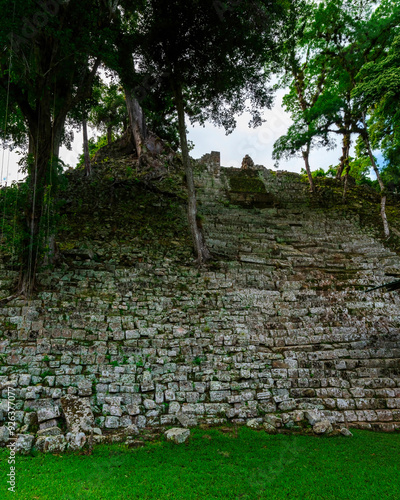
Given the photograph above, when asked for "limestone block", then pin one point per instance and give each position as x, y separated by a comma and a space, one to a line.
313, 416
51, 444
323, 427
50, 431
254, 423
4, 435
48, 412
270, 429
85, 388
112, 422
174, 407
186, 420
141, 421
76, 441
24, 443
149, 404
177, 435
273, 420
77, 413
133, 409
288, 405
48, 424
24, 380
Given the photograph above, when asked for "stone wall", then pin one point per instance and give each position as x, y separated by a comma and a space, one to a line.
279, 324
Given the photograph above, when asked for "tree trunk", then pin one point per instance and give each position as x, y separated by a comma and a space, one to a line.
50, 247
345, 163
137, 122
30, 145
88, 167
201, 251
38, 180
367, 143
145, 141
39, 241
306, 155
109, 135
345, 155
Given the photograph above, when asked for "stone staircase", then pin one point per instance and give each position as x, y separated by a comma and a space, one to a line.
304, 273
277, 326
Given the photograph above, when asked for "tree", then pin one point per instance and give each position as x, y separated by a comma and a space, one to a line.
348, 34
378, 91
207, 60
109, 113
341, 38
88, 168
54, 47
306, 79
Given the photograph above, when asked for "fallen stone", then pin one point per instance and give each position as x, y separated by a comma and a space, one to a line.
24, 443
177, 435
253, 423
76, 441
313, 416
270, 429
345, 432
323, 427
51, 444
78, 414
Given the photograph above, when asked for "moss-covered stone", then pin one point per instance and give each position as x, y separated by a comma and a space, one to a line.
245, 184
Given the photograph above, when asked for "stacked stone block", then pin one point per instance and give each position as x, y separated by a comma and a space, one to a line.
279, 326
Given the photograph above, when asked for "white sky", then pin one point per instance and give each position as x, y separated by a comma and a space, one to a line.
258, 143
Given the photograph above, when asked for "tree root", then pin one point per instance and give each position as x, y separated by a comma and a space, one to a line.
6, 300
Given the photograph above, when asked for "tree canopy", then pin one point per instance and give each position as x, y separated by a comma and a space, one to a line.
200, 60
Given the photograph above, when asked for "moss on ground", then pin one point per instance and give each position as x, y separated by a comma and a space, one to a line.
115, 206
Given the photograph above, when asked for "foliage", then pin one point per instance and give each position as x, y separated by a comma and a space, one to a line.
323, 56
109, 112
215, 82
94, 146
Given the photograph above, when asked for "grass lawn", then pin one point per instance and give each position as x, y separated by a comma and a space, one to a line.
214, 465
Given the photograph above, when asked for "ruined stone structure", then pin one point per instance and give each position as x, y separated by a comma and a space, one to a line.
279, 326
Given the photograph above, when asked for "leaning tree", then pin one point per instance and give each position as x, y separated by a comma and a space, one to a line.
209, 59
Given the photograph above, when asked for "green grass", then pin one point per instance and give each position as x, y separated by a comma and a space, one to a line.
213, 465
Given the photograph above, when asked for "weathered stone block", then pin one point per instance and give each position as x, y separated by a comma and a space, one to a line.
177, 435
78, 413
